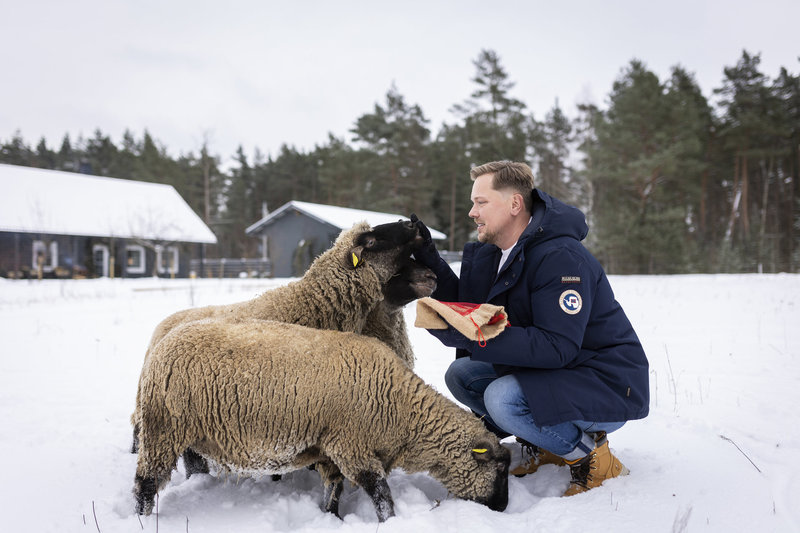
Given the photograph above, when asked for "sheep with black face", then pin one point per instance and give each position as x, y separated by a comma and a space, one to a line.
267, 397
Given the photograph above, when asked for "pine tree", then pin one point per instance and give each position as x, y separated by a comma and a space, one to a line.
753, 133
16, 151
398, 134
641, 163
495, 122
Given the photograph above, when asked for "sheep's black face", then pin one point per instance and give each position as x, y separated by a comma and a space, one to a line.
386, 247
480, 475
395, 235
411, 282
493, 462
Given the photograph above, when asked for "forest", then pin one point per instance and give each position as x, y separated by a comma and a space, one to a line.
671, 181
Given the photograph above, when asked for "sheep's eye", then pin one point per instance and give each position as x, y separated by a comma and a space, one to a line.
370, 243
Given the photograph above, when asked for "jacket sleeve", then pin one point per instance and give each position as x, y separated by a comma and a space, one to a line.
446, 282
560, 312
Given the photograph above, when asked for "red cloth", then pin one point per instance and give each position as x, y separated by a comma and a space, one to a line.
477, 322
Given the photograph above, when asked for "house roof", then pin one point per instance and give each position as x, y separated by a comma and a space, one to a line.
64, 203
339, 217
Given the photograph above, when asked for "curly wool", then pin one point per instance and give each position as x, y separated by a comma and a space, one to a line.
387, 323
269, 397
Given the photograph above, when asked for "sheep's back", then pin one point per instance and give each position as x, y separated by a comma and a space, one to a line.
277, 389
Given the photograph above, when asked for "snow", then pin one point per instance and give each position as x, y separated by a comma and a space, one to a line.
65, 203
717, 453
340, 217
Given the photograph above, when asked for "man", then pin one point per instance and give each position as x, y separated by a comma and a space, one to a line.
569, 369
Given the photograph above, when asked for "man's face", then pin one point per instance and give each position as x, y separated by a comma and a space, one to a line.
491, 210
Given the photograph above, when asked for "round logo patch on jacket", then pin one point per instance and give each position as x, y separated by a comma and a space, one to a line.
570, 302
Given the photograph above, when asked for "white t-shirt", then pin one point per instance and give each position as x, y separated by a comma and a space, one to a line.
505, 253
504, 257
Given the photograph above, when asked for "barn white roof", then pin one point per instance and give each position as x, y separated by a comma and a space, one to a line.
64, 203
340, 217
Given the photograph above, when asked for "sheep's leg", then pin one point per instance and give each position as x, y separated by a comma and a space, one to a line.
135, 440
333, 492
151, 476
378, 489
153, 467
144, 492
145, 487
333, 480
194, 463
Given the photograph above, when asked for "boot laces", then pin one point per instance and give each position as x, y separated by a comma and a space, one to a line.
530, 450
581, 471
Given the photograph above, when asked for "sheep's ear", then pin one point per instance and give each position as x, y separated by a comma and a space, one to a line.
354, 259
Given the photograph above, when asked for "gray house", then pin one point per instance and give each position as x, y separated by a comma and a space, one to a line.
297, 232
62, 224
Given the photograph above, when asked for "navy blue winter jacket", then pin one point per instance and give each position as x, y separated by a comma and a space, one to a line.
569, 343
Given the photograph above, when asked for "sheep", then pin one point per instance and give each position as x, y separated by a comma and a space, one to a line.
341, 290
260, 397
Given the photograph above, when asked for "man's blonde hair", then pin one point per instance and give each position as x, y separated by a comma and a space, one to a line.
508, 175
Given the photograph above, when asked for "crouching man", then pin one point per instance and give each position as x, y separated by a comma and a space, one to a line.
569, 369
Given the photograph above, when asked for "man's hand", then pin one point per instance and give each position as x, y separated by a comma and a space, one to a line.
425, 253
453, 338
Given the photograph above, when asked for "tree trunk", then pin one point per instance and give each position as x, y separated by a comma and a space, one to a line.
453, 212
737, 196
764, 203
745, 200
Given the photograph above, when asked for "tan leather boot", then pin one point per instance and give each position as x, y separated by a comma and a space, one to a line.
538, 457
592, 470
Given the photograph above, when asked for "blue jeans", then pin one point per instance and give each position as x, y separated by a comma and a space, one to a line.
501, 402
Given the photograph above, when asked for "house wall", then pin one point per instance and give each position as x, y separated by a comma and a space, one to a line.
294, 241
79, 256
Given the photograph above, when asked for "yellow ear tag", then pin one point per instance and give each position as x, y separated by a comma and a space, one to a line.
479, 450
355, 260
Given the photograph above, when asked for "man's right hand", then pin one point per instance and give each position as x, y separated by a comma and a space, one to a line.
425, 253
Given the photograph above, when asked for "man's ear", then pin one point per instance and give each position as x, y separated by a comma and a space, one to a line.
517, 203
354, 259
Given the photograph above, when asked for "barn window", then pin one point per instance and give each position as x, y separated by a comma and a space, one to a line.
45, 255
134, 259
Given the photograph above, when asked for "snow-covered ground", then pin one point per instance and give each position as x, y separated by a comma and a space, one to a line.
719, 452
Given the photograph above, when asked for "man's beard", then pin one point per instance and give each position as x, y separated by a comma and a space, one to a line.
487, 237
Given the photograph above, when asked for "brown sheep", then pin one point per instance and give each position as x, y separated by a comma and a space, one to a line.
268, 397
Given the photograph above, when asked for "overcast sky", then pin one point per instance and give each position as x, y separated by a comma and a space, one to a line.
259, 73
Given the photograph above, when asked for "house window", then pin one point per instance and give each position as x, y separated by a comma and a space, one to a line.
134, 259
100, 259
167, 259
45, 256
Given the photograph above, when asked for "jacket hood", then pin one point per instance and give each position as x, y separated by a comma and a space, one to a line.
552, 219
